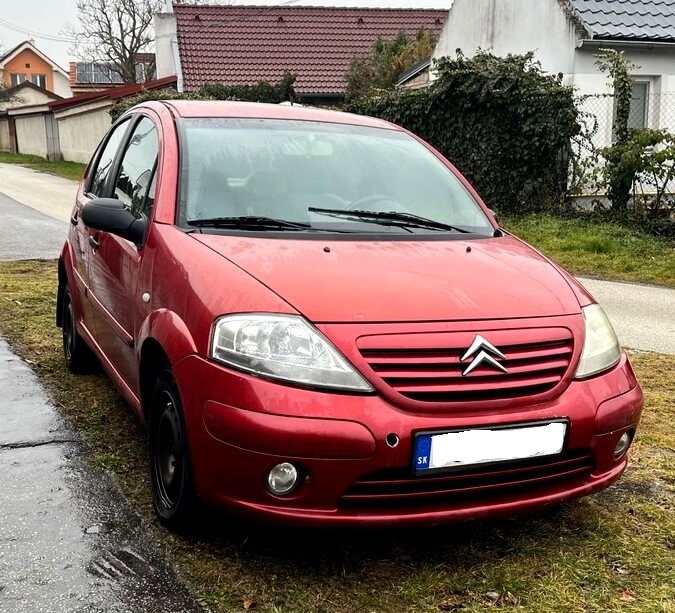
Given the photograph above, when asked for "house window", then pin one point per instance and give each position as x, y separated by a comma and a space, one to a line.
17, 78
40, 80
639, 106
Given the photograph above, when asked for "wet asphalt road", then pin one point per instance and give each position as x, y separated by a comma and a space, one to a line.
26, 234
68, 540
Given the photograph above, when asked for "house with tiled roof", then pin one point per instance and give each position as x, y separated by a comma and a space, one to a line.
26, 63
242, 45
567, 35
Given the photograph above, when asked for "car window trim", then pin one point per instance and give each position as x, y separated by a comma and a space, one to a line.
99, 152
117, 162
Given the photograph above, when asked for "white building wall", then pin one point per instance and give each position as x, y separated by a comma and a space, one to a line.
4, 135
81, 130
511, 26
165, 33
62, 85
27, 97
31, 135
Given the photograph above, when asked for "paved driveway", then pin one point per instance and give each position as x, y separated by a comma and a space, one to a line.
27, 234
69, 543
643, 315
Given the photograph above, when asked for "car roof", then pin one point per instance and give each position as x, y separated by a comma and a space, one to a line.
258, 110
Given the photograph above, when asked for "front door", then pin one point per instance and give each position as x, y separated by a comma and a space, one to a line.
116, 263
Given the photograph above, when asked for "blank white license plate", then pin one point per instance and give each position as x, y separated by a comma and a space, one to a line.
470, 447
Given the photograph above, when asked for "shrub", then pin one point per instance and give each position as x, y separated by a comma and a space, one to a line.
504, 123
387, 61
261, 92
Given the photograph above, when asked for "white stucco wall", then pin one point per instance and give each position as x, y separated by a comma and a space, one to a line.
165, 32
27, 97
31, 135
81, 129
511, 26
62, 85
4, 135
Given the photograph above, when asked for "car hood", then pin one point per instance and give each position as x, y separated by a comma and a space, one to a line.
402, 280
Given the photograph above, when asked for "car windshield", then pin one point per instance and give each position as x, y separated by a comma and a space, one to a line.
257, 174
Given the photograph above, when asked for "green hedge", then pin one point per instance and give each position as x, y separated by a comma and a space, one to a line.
261, 92
504, 123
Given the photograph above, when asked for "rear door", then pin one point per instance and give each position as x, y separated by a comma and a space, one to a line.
115, 263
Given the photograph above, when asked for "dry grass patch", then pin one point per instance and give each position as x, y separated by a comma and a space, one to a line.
611, 552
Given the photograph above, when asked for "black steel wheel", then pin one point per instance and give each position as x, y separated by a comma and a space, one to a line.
174, 497
77, 354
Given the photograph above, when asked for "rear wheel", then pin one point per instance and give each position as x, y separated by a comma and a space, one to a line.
174, 497
77, 354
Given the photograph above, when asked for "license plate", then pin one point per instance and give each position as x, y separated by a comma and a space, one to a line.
470, 447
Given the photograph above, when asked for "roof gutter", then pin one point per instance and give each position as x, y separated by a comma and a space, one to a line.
643, 45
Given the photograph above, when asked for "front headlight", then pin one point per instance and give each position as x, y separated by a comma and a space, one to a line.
283, 347
601, 347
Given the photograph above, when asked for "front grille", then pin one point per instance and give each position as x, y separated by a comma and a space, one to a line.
431, 369
397, 487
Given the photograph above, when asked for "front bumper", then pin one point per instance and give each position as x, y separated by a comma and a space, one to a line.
240, 426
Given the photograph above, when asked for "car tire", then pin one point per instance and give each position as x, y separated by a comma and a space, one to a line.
173, 491
79, 358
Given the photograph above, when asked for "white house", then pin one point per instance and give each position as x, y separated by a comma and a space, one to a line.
567, 35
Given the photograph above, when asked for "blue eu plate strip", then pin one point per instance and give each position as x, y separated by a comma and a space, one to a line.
422, 452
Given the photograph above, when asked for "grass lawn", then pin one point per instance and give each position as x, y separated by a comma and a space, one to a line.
606, 250
67, 170
611, 552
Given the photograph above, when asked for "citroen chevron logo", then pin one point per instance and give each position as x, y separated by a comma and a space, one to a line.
483, 347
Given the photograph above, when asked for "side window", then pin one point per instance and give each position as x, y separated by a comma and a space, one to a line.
105, 161
134, 186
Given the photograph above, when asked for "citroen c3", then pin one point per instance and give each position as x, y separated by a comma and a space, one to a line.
322, 324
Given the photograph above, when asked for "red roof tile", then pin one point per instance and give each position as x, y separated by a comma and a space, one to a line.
241, 45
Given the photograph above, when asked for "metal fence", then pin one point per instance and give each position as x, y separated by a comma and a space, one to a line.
597, 114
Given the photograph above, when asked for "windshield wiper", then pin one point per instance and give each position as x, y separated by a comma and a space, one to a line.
397, 219
251, 222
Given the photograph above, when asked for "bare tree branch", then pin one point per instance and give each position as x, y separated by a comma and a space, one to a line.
114, 32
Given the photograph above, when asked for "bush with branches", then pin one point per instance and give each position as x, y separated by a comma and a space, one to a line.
504, 123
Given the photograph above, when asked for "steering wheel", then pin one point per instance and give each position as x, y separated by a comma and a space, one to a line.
364, 204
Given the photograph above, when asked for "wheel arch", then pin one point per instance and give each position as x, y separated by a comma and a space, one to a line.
164, 339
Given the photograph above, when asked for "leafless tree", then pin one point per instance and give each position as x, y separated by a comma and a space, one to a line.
114, 32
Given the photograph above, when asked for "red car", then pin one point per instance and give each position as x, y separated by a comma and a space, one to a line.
321, 323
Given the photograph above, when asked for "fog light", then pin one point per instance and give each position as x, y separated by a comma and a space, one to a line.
282, 478
623, 443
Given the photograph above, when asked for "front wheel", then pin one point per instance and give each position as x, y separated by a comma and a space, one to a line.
174, 497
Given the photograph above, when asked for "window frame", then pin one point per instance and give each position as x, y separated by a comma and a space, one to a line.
15, 76
130, 121
124, 146
38, 79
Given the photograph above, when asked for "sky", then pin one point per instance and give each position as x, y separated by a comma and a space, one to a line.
46, 21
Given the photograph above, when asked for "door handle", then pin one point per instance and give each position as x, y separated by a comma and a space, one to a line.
74, 220
93, 243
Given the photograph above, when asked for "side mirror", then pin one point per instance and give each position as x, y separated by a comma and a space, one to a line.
110, 215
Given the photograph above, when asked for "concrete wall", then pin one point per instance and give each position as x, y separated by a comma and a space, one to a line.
4, 135
31, 134
511, 26
81, 129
